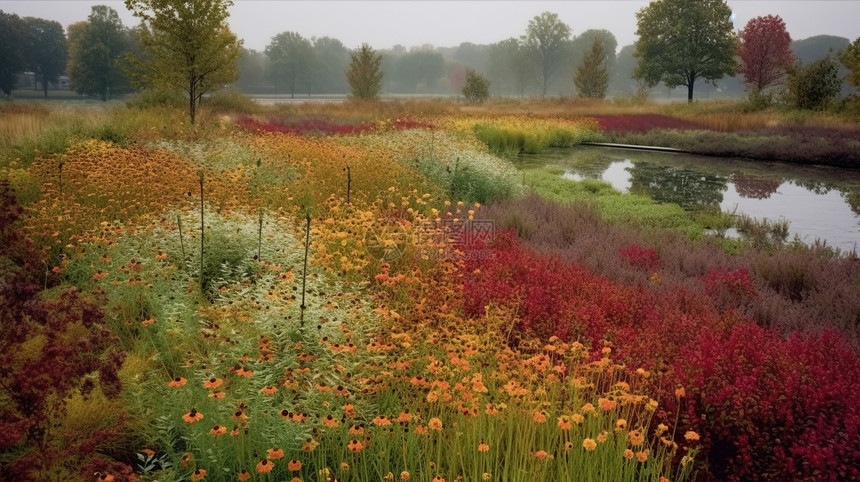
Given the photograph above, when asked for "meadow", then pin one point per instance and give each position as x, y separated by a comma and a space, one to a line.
376, 291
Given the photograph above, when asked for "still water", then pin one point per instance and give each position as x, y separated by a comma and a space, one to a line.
819, 202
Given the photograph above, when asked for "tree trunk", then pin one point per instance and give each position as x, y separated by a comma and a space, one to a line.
192, 100
690, 91
45, 85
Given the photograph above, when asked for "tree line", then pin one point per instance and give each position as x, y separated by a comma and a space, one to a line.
188, 46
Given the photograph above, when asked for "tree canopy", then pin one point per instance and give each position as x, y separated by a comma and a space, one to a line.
45, 49
189, 44
850, 58
546, 38
765, 52
592, 75
95, 47
681, 41
477, 88
365, 73
291, 59
12, 58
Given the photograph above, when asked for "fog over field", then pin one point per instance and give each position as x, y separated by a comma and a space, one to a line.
384, 24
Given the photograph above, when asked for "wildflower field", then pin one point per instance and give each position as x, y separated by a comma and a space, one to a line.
384, 295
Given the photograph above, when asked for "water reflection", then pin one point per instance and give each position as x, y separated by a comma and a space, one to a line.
820, 202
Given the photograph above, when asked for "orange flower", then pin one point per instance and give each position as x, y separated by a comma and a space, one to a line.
483, 447
602, 436
541, 454
198, 474
244, 373
193, 416
275, 454
177, 382
606, 404
354, 445
295, 479
405, 475
310, 445
187, 459
147, 322
349, 411
434, 424
404, 416
381, 421
680, 392
620, 424
628, 454
636, 438
264, 466
330, 422
539, 417
421, 429
218, 395
564, 422
438, 478
244, 475
218, 430
588, 407
213, 383
355, 430
294, 465
148, 452
577, 418
234, 432
642, 456
691, 436
269, 390
589, 444
240, 416
107, 477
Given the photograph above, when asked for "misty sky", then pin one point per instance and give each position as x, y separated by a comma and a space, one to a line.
384, 24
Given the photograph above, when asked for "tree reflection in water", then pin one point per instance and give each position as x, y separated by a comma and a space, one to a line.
689, 189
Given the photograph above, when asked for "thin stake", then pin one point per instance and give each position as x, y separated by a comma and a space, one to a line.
202, 227
181, 239
305, 272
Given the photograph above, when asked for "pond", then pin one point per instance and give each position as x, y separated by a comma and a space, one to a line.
819, 202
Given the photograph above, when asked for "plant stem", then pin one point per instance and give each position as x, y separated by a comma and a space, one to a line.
305, 272
181, 239
202, 227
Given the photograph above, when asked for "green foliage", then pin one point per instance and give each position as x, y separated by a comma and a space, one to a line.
364, 73
11, 54
814, 86
189, 44
95, 46
157, 97
291, 60
546, 37
45, 50
592, 75
850, 58
509, 61
477, 88
684, 40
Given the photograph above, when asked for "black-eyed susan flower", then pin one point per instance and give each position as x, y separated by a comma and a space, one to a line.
354, 445
564, 422
483, 447
218, 430
177, 382
198, 474
330, 422
539, 417
269, 390
294, 465
275, 454
265, 466
636, 438
628, 454
642, 456
193, 416
244, 476
213, 383
381, 421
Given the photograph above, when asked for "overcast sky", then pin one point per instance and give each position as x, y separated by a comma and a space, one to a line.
384, 24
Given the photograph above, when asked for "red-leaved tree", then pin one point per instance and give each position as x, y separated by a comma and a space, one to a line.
765, 51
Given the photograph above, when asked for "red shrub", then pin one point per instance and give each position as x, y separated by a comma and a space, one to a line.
644, 258
642, 123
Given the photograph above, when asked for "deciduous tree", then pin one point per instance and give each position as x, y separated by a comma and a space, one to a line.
477, 88
189, 44
45, 49
765, 51
364, 73
850, 58
813, 86
11, 52
291, 60
592, 75
95, 47
546, 38
681, 41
